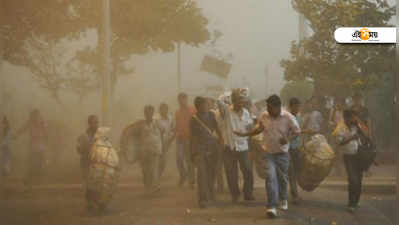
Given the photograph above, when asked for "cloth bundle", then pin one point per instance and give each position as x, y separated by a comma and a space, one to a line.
317, 159
103, 170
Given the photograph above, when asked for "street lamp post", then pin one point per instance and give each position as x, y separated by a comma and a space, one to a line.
266, 80
302, 30
178, 67
106, 78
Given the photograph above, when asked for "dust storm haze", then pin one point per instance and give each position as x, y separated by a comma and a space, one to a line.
56, 67
254, 33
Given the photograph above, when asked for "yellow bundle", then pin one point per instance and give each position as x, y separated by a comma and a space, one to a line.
317, 159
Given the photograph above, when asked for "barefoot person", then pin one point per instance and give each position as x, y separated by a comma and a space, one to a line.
279, 128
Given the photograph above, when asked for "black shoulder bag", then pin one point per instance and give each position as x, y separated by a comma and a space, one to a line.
366, 152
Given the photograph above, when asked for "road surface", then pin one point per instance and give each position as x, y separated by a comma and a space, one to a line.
63, 204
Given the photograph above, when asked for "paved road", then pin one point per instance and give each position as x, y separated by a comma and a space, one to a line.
64, 204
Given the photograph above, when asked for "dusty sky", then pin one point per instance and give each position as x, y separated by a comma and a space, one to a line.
255, 32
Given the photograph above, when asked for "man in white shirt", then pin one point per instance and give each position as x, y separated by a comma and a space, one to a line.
150, 136
167, 125
236, 118
279, 128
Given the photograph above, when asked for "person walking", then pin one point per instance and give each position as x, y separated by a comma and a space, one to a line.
236, 118
38, 133
279, 128
183, 145
5, 151
85, 142
294, 151
150, 140
206, 138
348, 136
168, 126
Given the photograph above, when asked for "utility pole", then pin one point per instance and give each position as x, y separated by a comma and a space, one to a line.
302, 30
302, 27
105, 49
396, 102
266, 80
179, 67
395, 72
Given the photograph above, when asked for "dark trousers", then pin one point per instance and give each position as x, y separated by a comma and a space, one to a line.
219, 172
206, 174
355, 176
231, 160
293, 171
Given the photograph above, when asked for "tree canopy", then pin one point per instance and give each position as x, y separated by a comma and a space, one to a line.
339, 69
137, 27
303, 90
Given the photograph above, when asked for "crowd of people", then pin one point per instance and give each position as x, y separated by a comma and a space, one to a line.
214, 136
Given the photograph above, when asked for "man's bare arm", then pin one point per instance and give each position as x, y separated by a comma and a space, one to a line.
259, 128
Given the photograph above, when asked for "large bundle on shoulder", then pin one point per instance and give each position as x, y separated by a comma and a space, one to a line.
317, 159
104, 168
129, 142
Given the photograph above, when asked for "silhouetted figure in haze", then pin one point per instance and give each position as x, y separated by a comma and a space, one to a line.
335, 118
38, 145
183, 139
5, 150
85, 142
168, 128
150, 140
295, 145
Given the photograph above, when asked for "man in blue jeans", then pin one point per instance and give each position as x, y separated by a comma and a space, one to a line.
278, 127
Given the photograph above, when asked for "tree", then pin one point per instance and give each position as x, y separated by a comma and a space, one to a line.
338, 69
141, 26
31, 32
83, 78
55, 71
23, 19
137, 28
303, 90
44, 59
